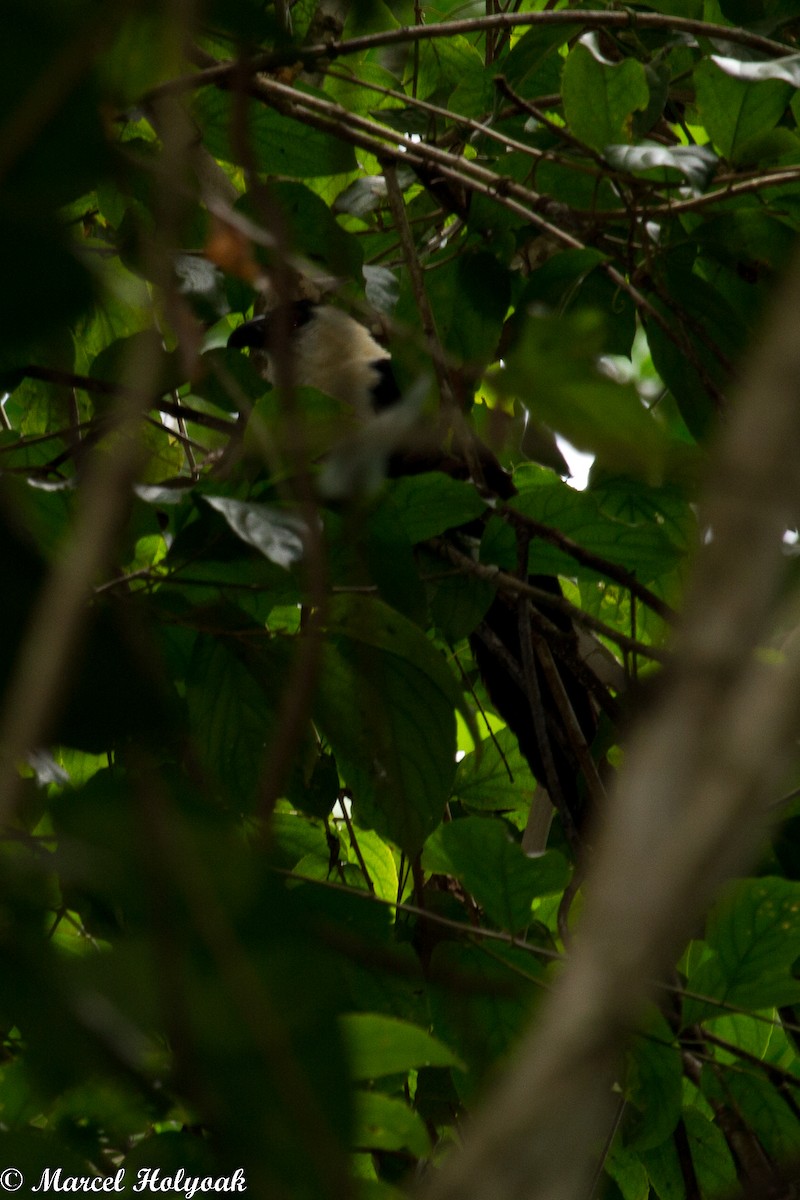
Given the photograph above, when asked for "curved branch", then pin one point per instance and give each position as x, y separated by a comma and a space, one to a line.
309, 56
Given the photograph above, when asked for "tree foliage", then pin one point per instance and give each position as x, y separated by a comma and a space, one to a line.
264, 897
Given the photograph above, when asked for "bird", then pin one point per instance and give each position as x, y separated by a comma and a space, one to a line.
540, 691
331, 352
337, 355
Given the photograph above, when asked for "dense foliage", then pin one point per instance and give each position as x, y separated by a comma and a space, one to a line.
263, 900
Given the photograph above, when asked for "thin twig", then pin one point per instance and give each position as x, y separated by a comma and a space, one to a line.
400, 217
506, 582
101, 387
354, 843
575, 735
594, 562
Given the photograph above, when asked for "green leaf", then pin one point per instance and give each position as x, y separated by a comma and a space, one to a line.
227, 376
232, 711
761, 1105
383, 1123
628, 1173
537, 46
553, 370
664, 1170
494, 869
748, 239
600, 97
495, 775
432, 503
446, 63
377, 1189
754, 931
354, 91
495, 992
386, 702
755, 928
120, 362
573, 281
735, 109
457, 603
695, 308
374, 624
659, 77
280, 146
744, 1031
378, 1045
647, 536
295, 837
654, 1082
378, 859
394, 740
469, 295
712, 1159
313, 228
561, 180
381, 555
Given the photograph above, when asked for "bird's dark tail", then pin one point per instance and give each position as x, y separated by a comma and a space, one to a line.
533, 682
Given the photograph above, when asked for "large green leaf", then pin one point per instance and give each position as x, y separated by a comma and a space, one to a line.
711, 1155
737, 108
386, 703
280, 146
495, 775
496, 986
575, 280
628, 1173
553, 369
664, 1170
754, 932
523, 63
494, 868
379, 1045
233, 717
432, 503
649, 535
707, 335
384, 1123
653, 1086
762, 1106
600, 97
